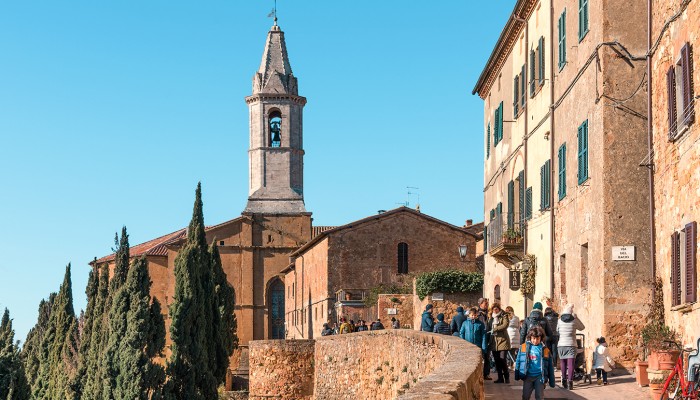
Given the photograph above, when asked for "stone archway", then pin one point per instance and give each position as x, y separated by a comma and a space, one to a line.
275, 308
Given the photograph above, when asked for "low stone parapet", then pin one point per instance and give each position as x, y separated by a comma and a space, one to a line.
281, 369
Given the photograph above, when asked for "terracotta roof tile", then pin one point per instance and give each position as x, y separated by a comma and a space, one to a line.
154, 247
317, 230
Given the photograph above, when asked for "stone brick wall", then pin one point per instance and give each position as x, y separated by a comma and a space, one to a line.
448, 306
281, 369
404, 309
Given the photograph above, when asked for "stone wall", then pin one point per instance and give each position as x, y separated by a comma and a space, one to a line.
394, 363
281, 369
448, 306
403, 306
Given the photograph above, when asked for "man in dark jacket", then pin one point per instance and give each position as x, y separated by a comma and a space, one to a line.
483, 316
327, 330
377, 325
441, 326
535, 319
457, 321
552, 318
426, 323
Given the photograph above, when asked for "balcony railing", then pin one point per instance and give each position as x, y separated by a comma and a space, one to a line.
348, 295
505, 237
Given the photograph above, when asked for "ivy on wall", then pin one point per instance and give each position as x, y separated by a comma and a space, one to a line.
448, 281
527, 282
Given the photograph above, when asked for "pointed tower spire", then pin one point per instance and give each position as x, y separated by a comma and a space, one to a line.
275, 72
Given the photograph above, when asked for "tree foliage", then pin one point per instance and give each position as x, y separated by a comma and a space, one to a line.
13, 382
31, 351
448, 281
91, 385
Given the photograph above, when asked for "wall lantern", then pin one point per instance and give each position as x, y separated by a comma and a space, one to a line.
462, 251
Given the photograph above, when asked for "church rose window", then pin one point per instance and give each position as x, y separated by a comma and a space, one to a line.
275, 129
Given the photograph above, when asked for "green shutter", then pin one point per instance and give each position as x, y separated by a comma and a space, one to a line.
497, 126
528, 203
562, 171
583, 152
540, 49
521, 196
516, 98
511, 199
492, 214
499, 210
582, 19
523, 87
562, 39
548, 183
488, 140
543, 182
532, 73
500, 121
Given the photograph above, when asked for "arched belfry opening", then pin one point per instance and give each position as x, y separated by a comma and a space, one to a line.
275, 309
275, 129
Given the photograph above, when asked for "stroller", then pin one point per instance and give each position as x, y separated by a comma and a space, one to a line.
580, 361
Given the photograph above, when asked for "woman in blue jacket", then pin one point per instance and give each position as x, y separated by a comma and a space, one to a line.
474, 331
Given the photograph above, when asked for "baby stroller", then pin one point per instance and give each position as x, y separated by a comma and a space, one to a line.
580, 361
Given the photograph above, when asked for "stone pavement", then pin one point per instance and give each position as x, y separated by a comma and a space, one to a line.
619, 387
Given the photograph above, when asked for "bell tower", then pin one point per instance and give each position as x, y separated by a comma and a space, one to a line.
276, 153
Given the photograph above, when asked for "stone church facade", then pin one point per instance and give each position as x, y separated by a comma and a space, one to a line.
256, 246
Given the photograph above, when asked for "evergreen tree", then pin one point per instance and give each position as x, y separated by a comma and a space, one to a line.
91, 384
13, 382
191, 365
136, 335
225, 320
86, 323
58, 347
31, 351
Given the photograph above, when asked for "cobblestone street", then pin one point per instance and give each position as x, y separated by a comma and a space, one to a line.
620, 387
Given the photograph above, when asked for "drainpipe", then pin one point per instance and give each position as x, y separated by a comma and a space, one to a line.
551, 148
650, 166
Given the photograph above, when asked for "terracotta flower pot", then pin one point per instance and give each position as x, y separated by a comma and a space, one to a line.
653, 360
640, 372
667, 359
656, 390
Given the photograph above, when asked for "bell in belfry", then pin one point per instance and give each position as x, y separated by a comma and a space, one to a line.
275, 130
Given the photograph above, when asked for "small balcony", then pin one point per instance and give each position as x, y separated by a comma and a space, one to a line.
505, 238
349, 296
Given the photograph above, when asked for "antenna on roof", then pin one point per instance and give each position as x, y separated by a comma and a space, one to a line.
409, 193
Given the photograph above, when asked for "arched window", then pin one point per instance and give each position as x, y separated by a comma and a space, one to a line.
497, 292
275, 129
403, 258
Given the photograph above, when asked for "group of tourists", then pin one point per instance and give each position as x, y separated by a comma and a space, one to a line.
532, 345
350, 326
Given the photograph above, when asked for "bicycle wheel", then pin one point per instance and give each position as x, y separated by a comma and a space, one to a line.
673, 388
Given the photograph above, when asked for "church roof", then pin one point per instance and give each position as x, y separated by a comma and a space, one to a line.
275, 72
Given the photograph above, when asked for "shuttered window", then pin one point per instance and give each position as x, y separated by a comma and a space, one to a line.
562, 171
523, 87
582, 19
516, 96
562, 39
671, 87
540, 63
511, 200
498, 125
499, 211
690, 270
686, 65
583, 152
681, 101
532, 73
545, 184
521, 196
528, 203
488, 140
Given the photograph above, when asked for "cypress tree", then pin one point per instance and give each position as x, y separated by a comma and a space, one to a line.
31, 351
87, 320
190, 371
136, 335
13, 382
56, 369
224, 319
92, 385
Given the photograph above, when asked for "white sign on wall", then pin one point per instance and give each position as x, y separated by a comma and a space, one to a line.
623, 253
391, 311
438, 297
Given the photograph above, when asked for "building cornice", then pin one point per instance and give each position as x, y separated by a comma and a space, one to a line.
506, 41
275, 97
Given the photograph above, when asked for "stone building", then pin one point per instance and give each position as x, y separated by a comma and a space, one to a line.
331, 275
674, 159
564, 122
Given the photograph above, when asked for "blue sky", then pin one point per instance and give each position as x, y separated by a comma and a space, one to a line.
111, 113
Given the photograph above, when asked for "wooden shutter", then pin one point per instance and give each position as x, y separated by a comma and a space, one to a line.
562, 171
511, 200
528, 203
532, 73
488, 140
687, 82
523, 87
691, 277
675, 269
579, 137
540, 50
516, 97
499, 211
521, 196
562, 39
671, 89
585, 150
585, 16
548, 180
542, 186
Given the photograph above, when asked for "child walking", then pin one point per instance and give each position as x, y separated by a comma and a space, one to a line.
602, 362
534, 364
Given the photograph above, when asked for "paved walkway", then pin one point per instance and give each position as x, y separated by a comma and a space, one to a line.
619, 387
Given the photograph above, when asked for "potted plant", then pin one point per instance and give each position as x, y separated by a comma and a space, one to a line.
656, 382
658, 339
640, 372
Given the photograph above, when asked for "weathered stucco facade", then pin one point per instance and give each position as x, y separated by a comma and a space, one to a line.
581, 143
676, 161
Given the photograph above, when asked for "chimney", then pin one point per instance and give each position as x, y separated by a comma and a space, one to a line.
470, 222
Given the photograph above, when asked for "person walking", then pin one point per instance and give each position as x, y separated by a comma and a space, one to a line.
457, 321
427, 323
327, 330
533, 365
513, 332
395, 323
602, 362
483, 315
474, 331
566, 327
499, 343
552, 320
535, 319
441, 326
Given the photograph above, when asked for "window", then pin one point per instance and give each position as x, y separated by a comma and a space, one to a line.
403, 258
540, 64
683, 265
681, 102
521, 196
537, 68
499, 211
519, 87
523, 87
545, 184
275, 126
583, 152
528, 203
488, 140
582, 19
498, 125
584, 266
562, 171
532, 72
497, 292
492, 214
562, 40
511, 205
